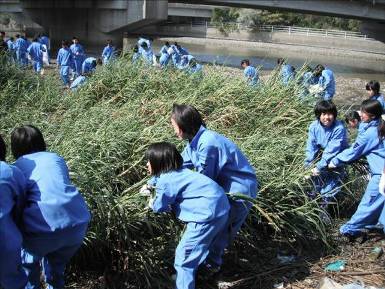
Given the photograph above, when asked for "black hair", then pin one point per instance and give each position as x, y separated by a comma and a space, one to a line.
98, 62
3, 149
188, 119
352, 115
374, 109
11, 38
245, 61
109, 41
2, 32
26, 140
75, 38
318, 70
192, 62
167, 43
17, 36
325, 106
374, 86
144, 45
65, 43
36, 39
163, 157
135, 48
280, 61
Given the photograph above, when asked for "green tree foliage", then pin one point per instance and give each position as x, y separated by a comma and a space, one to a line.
224, 18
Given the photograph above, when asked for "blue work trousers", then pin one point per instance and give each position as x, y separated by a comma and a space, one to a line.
369, 211
238, 213
65, 75
21, 58
78, 62
193, 249
38, 65
328, 183
51, 251
12, 275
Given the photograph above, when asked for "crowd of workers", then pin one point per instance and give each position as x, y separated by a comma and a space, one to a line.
44, 218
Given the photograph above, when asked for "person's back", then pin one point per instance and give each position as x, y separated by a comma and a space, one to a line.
64, 57
287, 73
230, 169
327, 82
35, 50
78, 82
251, 75
54, 203
89, 65
196, 198
45, 41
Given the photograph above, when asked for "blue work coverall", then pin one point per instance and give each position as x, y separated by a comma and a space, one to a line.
203, 205
380, 99
164, 59
287, 73
78, 56
108, 54
45, 41
65, 61
78, 82
221, 160
327, 82
12, 194
21, 46
55, 220
251, 75
35, 50
326, 143
88, 65
369, 210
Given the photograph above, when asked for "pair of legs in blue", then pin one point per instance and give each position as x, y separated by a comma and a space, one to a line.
50, 252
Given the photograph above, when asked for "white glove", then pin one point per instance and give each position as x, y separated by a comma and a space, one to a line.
331, 166
381, 185
315, 172
145, 191
150, 202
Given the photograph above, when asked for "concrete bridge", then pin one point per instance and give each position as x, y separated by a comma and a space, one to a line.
97, 20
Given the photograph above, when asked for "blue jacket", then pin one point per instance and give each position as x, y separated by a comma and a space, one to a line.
87, 65
287, 73
79, 81
221, 160
251, 75
108, 53
309, 79
164, 59
331, 140
141, 40
35, 50
327, 82
11, 45
64, 57
77, 51
380, 98
193, 196
194, 69
21, 44
53, 201
164, 49
45, 41
147, 55
366, 144
12, 197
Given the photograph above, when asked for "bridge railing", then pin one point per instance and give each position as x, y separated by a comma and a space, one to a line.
291, 30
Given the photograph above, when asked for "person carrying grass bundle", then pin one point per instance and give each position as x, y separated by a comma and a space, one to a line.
250, 73
370, 144
12, 193
326, 82
56, 217
196, 200
286, 71
327, 137
217, 157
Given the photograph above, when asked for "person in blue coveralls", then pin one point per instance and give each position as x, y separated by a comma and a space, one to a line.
326, 82
44, 39
217, 157
146, 52
21, 46
286, 71
353, 120
78, 82
165, 56
78, 54
251, 74
35, 51
373, 89
135, 54
108, 52
56, 218
164, 48
369, 143
89, 65
196, 200
64, 62
193, 66
11, 49
326, 138
12, 194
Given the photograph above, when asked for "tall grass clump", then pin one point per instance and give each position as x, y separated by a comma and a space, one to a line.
103, 130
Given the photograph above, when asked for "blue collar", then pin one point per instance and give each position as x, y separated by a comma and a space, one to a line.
366, 125
194, 141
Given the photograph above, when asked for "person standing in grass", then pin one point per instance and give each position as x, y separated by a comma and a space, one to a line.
196, 200
250, 73
370, 144
108, 52
286, 71
35, 50
78, 55
64, 61
326, 138
56, 217
326, 82
217, 157
12, 193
